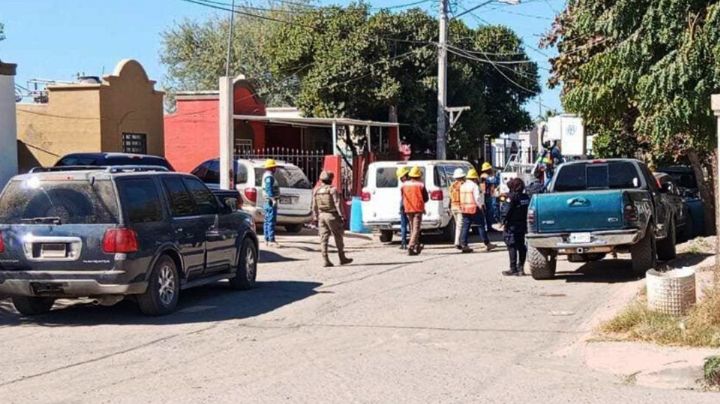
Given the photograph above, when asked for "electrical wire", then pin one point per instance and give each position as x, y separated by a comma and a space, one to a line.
262, 17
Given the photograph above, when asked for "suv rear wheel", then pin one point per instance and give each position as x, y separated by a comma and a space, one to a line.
246, 271
31, 306
163, 291
293, 228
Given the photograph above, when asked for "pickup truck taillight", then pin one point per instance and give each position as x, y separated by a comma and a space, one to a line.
531, 218
365, 196
436, 195
630, 214
2, 243
120, 240
251, 194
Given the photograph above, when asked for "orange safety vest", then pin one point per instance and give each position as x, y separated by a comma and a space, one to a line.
468, 206
412, 196
455, 194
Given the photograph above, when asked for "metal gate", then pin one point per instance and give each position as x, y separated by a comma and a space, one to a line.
309, 161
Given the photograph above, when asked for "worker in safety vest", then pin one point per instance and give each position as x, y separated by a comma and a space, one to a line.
459, 177
271, 193
402, 175
327, 211
472, 203
414, 197
487, 187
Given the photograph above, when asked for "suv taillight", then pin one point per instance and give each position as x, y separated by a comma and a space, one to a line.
630, 214
2, 243
120, 240
531, 218
251, 194
366, 196
436, 195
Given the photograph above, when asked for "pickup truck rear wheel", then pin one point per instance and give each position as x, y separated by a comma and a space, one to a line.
643, 254
246, 271
163, 290
666, 247
386, 236
542, 266
32, 306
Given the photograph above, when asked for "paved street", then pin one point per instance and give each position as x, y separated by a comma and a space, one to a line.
442, 327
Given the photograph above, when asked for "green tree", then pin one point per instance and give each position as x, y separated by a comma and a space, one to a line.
641, 73
354, 63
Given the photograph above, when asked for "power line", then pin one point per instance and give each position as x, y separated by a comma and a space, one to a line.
532, 92
262, 17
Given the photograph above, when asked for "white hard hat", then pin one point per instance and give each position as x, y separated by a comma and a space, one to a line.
458, 173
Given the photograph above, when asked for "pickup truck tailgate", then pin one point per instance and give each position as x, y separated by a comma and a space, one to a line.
579, 211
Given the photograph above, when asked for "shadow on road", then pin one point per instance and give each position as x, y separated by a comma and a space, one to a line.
217, 302
271, 256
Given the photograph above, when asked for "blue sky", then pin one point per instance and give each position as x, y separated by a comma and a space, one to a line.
56, 39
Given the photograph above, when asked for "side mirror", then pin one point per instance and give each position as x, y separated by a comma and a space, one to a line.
231, 204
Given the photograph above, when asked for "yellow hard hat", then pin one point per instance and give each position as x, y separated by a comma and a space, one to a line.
472, 174
402, 171
486, 166
270, 163
415, 172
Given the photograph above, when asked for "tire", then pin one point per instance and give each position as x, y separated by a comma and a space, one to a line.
246, 271
643, 253
163, 291
542, 266
32, 306
386, 236
293, 228
689, 230
666, 247
448, 233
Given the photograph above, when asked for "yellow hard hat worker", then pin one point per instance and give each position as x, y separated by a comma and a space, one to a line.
270, 163
486, 166
402, 171
472, 174
415, 172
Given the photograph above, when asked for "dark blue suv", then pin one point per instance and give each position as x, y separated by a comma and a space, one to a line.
118, 231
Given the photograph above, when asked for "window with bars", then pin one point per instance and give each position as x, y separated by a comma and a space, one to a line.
134, 143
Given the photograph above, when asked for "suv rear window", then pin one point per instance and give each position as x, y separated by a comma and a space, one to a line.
610, 175
287, 177
69, 202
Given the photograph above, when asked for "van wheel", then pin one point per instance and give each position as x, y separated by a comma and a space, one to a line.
666, 247
542, 266
386, 236
246, 271
449, 231
31, 306
643, 253
293, 228
163, 291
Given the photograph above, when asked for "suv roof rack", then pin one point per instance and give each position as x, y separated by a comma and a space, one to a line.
107, 169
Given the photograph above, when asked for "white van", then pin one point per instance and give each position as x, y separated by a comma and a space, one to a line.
295, 190
381, 197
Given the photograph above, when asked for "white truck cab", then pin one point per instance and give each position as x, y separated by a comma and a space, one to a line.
381, 196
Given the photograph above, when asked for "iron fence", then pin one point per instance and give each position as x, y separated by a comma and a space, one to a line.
309, 161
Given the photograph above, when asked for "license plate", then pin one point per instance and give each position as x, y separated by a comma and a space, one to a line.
286, 200
53, 250
580, 238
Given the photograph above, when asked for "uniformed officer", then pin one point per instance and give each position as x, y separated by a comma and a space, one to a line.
327, 211
514, 220
271, 193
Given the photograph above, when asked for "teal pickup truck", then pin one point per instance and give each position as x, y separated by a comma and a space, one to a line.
596, 207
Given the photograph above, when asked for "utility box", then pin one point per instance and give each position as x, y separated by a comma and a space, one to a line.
569, 130
8, 124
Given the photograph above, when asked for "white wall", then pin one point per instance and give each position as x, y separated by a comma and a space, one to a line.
8, 130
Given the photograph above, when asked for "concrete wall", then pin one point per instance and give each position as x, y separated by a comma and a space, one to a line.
8, 130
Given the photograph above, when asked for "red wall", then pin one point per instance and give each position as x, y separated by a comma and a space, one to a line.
192, 133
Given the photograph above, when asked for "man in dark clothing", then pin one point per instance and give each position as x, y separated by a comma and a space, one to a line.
537, 186
514, 219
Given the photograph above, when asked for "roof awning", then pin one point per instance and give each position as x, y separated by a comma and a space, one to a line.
315, 122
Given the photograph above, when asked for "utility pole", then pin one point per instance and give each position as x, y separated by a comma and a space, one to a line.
440, 153
225, 116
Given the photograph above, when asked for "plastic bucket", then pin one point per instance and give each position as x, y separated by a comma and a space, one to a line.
356, 223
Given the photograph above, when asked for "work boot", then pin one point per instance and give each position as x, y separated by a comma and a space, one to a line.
403, 247
412, 251
509, 273
489, 247
419, 248
326, 262
466, 249
458, 246
344, 260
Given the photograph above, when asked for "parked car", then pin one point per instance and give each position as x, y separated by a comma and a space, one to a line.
686, 181
381, 197
597, 207
674, 200
118, 231
113, 159
295, 190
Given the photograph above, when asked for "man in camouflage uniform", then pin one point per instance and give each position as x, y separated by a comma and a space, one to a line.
328, 214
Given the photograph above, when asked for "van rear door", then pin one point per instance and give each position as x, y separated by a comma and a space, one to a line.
381, 195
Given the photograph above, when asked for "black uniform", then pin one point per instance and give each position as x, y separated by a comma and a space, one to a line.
514, 217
